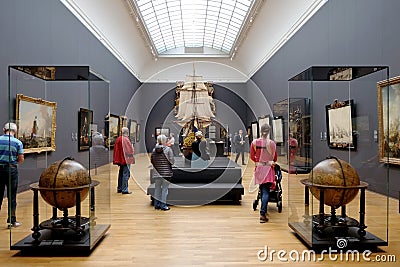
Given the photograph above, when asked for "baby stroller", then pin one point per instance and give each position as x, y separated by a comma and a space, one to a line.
275, 195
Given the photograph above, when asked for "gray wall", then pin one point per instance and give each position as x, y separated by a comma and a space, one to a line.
44, 32
343, 32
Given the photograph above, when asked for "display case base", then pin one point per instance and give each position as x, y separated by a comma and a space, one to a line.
66, 243
316, 241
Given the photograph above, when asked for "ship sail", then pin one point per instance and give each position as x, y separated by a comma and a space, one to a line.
194, 102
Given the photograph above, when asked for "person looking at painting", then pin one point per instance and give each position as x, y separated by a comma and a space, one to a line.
263, 153
239, 146
98, 151
162, 159
11, 154
171, 143
123, 157
200, 154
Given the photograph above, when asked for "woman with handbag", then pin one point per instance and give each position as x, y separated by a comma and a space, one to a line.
263, 153
162, 159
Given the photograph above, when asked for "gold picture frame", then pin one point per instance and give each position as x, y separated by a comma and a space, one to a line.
389, 135
36, 120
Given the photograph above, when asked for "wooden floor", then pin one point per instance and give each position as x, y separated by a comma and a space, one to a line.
210, 235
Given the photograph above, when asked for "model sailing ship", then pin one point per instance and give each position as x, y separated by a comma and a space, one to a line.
194, 107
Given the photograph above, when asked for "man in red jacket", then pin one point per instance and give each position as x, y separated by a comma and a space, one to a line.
123, 157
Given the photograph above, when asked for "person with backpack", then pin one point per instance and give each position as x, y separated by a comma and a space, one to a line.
263, 153
162, 159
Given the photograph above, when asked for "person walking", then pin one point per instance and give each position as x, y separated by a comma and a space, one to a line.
263, 153
123, 157
162, 159
239, 146
11, 154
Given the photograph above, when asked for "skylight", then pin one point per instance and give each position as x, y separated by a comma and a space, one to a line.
192, 24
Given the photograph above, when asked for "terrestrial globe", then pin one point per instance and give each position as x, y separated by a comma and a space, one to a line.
334, 172
60, 181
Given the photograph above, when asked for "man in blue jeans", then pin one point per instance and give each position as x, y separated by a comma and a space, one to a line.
123, 157
11, 153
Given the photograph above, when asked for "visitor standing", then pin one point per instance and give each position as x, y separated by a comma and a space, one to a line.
11, 154
162, 159
123, 157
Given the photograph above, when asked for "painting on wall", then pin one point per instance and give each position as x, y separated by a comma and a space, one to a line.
222, 133
138, 133
277, 130
36, 121
389, 126
85, 120
262, 121
112, 129
254, 130
123, 120
339, 123
132, 130
160, 130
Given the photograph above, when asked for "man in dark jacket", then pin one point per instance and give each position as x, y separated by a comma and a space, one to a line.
123, 157
162, 159
239, 145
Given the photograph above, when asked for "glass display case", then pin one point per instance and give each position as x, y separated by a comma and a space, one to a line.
294, 151
335, 205
59, 112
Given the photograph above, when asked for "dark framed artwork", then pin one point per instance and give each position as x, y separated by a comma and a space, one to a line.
340, 126
36, 121
85, 120
254, 130
222, 133
262, 121
277, 129
112, 129
132, 125
389, 129
138, 133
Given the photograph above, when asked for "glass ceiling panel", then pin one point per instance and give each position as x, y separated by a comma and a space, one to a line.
209, 23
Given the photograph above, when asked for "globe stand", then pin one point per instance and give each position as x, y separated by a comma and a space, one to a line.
66, 233
323, 230
77, 224
340, 224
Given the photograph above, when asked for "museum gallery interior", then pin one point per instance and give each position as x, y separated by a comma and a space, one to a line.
320, 78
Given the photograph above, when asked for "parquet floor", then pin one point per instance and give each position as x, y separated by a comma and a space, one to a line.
210, 235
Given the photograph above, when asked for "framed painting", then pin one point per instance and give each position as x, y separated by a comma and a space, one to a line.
254, 130
123, 121
132, 125
138, 133
36, 120
222, 133
262, 121
164, 131
339, 123
211, 132
112, 129
389, 126
277, 129
85, 120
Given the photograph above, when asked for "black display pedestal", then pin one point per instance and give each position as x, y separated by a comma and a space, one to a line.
220, 181
72, 235
324, 231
